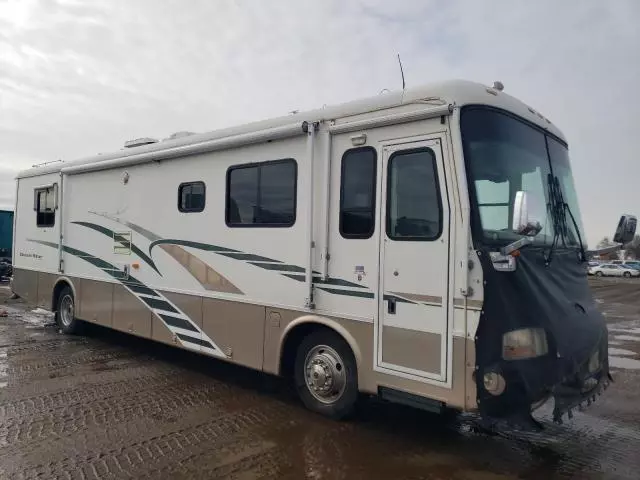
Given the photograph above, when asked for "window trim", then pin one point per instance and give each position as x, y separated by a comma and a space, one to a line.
43, 188
369, 234
192, 210
387, 221
260, 165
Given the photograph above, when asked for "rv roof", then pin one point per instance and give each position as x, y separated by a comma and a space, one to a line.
454, 92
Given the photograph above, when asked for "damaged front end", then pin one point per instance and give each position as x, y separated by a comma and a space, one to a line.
540, 336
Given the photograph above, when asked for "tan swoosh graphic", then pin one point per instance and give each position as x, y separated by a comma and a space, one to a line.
206, 276
471, 304
415, 297
203, 273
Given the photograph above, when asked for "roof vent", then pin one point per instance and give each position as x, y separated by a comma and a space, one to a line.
497, 85
173, 136
139, 142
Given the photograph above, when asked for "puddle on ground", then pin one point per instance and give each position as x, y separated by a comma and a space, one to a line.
624, 363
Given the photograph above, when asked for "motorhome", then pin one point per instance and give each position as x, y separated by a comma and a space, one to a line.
424, 245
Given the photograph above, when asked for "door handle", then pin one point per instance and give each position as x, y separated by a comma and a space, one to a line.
391, 306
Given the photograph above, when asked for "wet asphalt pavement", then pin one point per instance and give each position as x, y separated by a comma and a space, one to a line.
106, 405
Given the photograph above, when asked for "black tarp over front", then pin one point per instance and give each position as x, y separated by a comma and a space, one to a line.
555, 297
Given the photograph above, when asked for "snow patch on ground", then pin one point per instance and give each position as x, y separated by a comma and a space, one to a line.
38, 317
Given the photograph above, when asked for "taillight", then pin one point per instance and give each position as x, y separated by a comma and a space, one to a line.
524, 343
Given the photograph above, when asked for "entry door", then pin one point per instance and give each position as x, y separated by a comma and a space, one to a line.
414, 271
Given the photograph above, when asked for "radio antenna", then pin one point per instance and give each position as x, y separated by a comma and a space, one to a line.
401, 72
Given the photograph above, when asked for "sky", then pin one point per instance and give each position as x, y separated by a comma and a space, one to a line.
82, 77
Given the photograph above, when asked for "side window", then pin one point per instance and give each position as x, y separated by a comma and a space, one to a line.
191, 197
262, 195
45, 206
358, 193
414, 206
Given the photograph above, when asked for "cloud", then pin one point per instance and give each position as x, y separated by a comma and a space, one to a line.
78, 79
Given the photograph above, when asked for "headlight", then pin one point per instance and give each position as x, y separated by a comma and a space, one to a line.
494, 383
524, 343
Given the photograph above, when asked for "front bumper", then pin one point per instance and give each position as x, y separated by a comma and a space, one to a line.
528, 389
579, 394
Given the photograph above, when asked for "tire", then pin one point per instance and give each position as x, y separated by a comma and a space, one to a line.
626, 275
598, 274
65, 312
319, 353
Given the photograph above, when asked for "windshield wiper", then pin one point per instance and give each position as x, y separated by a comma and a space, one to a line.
558, 209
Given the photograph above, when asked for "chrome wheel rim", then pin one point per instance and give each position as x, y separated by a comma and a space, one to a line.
325, 374
66, 310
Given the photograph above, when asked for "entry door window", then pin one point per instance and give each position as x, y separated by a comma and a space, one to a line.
414, 207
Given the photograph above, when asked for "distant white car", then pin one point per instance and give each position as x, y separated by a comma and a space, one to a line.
612, 270
635, 264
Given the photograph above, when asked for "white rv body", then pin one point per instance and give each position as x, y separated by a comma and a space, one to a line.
407, 309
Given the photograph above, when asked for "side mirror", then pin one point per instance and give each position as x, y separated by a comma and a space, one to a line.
626, 230
525, 220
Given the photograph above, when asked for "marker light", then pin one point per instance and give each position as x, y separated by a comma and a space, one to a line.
503, 263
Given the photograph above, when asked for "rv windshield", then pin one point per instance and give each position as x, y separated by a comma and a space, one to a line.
504, 154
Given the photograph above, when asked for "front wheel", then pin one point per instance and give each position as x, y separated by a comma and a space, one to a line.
598, 274
326, 374
65, 312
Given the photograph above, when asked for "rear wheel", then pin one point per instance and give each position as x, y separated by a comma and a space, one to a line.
626, 274
326, 374
65, 312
